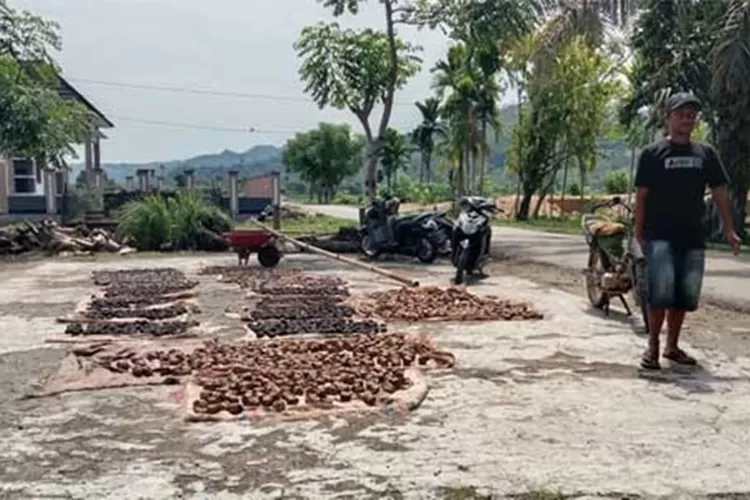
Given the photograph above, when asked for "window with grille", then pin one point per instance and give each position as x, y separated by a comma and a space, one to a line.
59, 183
24, 176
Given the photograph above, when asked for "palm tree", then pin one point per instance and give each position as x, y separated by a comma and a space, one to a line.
455, 84
395, 155
423, 137
731, 92
487, 114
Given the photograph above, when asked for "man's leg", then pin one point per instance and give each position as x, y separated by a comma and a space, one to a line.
689, 281
660, 271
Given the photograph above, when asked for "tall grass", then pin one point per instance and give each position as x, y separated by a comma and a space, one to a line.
179, 223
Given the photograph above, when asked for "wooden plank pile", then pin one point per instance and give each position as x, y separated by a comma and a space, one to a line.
50, 237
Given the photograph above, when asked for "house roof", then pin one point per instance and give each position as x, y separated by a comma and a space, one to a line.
67, 91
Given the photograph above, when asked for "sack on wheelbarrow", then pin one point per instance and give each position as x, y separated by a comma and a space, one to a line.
610, 236
612, 244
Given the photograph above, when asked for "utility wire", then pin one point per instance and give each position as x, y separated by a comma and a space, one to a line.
215, 128
188, 90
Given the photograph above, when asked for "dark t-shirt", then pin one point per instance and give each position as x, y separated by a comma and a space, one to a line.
676, 176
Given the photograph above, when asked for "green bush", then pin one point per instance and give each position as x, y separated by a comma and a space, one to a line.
432, 193
346, 199
179, 223
616, 182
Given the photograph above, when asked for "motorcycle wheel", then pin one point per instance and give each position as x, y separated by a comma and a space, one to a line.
367, 248
595, 295
640, 291
463, 257
426, 251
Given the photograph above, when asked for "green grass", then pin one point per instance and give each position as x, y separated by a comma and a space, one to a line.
573, 226
312, 224
548, 225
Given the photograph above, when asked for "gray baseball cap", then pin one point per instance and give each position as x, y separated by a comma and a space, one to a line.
681, 99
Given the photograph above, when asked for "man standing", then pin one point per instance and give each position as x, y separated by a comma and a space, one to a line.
671, 182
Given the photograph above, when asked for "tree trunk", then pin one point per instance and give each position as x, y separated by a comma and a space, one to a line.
460, 174
483, 159
525, 207
518, 197
582, 174
371, 169
566, 166
631, 175
428, 166
421, 169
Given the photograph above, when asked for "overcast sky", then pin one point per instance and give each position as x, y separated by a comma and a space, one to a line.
240, 46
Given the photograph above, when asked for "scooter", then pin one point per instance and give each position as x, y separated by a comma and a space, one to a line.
472, 236
384, 231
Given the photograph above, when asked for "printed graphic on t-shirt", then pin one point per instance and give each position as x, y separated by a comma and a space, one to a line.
683, 162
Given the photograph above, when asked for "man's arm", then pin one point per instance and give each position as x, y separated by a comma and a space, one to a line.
717, 179
720, 195
643, 179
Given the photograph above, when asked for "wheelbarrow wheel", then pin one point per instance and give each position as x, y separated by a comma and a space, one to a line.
269, 256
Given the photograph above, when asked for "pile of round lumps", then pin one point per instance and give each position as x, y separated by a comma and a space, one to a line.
305, 304
136, 302
138, 327
151, 313
247, 276
278, 374
454, 304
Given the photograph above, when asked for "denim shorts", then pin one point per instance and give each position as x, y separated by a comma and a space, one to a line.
675, 275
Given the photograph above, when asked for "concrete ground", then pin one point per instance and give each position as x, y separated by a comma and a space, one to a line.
532, 409
726, 279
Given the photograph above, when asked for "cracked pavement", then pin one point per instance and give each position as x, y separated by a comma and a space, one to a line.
554, 405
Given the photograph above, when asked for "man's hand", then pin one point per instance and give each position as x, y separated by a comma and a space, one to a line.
734, 241
641, 241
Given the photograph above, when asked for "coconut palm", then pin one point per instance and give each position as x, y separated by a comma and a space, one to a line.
731, 92
456, 84
395, 155
423, 137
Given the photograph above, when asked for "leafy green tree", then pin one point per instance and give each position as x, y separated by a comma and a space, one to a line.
395, 156
617, 182
565, 114
108, 183
356, 70
324, 157
582, 73
423, 137
34, 120
456, 84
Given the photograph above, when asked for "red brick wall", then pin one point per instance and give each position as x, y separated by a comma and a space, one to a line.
258, 187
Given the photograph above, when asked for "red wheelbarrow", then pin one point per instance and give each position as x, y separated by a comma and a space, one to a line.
248, 241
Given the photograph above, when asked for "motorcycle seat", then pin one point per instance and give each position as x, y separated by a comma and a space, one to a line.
606, 228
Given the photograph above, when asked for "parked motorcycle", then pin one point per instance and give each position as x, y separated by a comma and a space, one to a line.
472, 236
384, 231
616, 265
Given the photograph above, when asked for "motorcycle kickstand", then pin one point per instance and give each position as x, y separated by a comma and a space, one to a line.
625, 304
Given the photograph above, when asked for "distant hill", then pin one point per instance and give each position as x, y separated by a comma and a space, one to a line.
265, 158
256, 160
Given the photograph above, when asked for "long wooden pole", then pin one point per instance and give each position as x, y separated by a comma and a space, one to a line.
346, 260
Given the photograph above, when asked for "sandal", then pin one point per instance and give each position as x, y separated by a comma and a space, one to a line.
650, 360
680, 357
